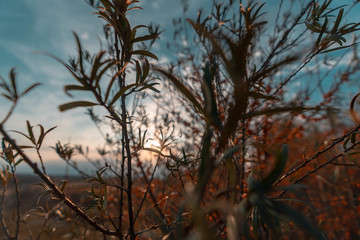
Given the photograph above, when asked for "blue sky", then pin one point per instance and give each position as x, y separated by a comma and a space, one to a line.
33, 26
28, 27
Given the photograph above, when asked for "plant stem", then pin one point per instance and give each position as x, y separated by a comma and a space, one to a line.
2, 217
125, 137
55, 190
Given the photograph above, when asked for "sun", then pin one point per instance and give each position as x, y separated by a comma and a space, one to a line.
151, 143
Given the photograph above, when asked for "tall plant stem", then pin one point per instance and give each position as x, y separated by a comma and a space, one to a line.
125, 136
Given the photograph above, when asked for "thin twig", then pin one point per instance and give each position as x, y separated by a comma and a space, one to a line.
17, 194
2, 218
41, 160
153, 227
9, 113
153, 198
147, 189
54, 188
46, 219
316, 155
284, 37
321, 166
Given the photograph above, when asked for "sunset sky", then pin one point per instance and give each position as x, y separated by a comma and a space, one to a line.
29, 27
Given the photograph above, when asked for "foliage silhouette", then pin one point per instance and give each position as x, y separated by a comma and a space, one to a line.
230, 173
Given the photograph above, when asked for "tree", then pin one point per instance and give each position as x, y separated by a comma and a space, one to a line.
237, 162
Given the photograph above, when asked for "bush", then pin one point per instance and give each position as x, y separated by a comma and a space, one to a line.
238, 150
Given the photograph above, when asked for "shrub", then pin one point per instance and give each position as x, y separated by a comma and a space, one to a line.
232, 145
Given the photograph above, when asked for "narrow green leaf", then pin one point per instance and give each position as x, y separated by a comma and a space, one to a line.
232, 177
184, 90
120, 93
22, 134
30, 131
7, 97
270, 179
323, 30
107, 4
12, 78
41, 136
144, 38
146, 69
335, 49
71, 105
29, 89
145, 53
110, 64
338, 20
63, 185
113, 80
348, 156
257, 95
204, 156
138, 72
129, 9
68, 88
299, 220
96, 65
80, 54
312, 27
352, 111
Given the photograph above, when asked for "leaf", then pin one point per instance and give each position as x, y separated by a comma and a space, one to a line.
22, 134
62, 185
257, 95
229, 153
7, 97
12, 77
144, 38
209, 95
71, 105
323, 29
338, 20
270, 179
138, 71
205, 164
299, 220
150, 86
68, 88
29, 89
120, 93
145, 53
96, 65
80, 54
348, 156
113, 80
312, 28
42, 135
352, 111
232, 177
338, 48
107, 4
184, 90
30, 131
146, 69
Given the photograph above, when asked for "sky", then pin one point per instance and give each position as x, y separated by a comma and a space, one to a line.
30, 27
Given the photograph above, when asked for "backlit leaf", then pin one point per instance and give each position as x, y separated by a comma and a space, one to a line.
71, 105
